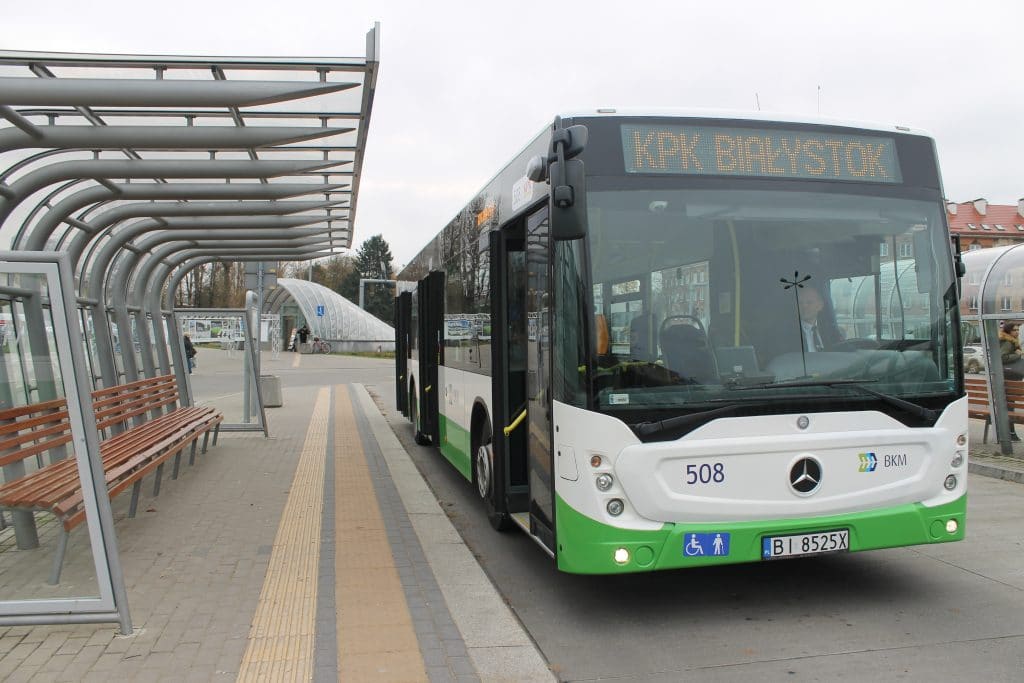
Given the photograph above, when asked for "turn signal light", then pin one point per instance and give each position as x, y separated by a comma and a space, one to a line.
950, 482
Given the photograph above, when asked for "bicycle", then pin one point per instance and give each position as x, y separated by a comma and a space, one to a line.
319, 346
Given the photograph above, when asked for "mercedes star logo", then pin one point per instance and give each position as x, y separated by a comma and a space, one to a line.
805, 476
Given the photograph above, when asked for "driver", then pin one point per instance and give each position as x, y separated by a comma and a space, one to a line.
815, 332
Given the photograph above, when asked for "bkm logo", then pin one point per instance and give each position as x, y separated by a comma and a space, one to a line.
868, 462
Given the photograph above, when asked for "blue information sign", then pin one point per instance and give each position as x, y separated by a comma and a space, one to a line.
320, 310
706, 545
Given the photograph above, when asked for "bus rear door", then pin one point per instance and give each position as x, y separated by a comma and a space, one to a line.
431, 353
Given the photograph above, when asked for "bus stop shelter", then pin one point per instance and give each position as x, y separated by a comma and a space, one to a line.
119, 175
993, 292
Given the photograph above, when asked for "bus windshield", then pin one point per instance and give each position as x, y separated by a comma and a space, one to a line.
699, 293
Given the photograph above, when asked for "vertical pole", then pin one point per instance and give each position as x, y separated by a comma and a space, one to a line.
42, 364
124, 331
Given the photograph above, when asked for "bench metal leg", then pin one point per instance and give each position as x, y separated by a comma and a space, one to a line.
216, 433
159, 476
136, 489
58, 559
192, 453
206, 440
177, 463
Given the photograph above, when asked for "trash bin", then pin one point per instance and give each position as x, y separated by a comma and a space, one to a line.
270, 387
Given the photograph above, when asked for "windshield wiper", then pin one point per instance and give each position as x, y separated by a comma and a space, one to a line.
684, 421
912, 408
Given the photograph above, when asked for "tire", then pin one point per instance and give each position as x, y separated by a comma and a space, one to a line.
485, 482
414, 415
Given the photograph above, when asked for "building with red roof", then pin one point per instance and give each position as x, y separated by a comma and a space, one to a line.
982, 225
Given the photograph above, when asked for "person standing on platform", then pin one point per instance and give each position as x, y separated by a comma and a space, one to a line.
190, 354
1010, 350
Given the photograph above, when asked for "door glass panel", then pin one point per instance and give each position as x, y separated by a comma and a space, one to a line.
538, 376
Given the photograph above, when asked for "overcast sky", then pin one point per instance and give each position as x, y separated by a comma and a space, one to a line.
464, 85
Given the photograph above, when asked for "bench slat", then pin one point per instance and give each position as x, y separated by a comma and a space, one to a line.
127, 457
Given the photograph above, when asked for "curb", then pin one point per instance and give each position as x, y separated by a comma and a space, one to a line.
496, 642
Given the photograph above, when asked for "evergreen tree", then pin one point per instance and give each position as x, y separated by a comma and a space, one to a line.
373, 261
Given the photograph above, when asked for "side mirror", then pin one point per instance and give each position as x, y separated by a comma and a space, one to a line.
569, 201
537, 169
567, 178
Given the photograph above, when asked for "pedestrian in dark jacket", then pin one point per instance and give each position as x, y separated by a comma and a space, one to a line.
190, 354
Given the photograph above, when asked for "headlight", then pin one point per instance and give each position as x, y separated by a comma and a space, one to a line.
615, 507
604, 482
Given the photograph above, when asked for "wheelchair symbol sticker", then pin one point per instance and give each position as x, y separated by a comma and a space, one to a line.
702, 545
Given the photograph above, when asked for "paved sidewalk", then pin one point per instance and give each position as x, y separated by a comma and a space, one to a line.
988, 459
318, 554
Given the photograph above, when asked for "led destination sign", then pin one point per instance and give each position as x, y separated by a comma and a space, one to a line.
757, 152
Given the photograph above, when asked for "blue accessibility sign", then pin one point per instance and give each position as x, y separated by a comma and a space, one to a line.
713, 544
320, 310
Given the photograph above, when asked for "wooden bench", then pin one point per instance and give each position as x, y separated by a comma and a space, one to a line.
979, 408
140, 430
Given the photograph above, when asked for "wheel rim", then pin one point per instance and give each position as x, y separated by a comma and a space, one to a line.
483, 470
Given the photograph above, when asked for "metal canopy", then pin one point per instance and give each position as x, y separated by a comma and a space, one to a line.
109, 120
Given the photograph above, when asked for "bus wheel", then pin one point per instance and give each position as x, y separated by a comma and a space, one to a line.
486, 482
414, 415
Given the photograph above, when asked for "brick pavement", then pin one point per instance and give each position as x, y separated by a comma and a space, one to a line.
198, 562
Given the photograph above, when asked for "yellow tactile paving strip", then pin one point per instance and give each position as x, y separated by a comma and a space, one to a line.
376, 638
284, 627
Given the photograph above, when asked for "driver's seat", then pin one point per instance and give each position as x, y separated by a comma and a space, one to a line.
687, 354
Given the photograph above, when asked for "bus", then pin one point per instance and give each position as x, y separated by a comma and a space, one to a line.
658, 341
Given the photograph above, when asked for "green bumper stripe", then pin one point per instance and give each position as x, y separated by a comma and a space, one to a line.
455, 446
586, 546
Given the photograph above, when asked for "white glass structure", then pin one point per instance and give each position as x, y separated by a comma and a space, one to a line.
332, 317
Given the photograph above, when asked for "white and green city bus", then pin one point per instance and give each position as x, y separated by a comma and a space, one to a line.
609, 341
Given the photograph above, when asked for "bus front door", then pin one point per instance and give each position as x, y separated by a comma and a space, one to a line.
538, 378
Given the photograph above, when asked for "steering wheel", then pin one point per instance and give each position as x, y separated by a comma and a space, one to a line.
697, 323
855, 344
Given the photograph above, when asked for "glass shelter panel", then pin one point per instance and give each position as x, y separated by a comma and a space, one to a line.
51, 454
224, 366
1002, 291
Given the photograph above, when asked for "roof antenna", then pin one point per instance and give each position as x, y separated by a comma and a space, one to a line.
757, 101
819, 100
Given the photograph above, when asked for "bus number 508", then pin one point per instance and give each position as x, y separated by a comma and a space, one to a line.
705, 473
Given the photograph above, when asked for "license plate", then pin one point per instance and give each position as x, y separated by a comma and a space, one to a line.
773, 547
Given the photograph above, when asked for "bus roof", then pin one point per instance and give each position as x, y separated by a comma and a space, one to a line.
774, 116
